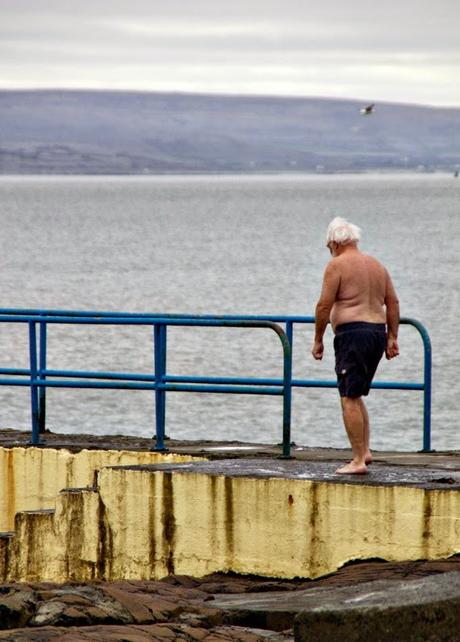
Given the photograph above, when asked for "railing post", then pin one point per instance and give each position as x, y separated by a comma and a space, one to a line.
42, 389
427, 393
290, 333
33, 387
287, 392
426, 382
159, 332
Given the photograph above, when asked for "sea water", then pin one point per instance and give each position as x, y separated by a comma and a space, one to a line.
226, 245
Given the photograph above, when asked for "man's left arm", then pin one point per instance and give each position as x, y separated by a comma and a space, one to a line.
331, 282
392, 312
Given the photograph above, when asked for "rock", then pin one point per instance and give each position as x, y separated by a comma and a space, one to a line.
16, 606
79, 605
142, 633
184, 610
181, 580
144, 607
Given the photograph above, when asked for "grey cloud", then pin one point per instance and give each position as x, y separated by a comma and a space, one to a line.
350, 45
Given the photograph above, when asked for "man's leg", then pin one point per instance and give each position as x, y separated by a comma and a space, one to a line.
355, 425
367, 450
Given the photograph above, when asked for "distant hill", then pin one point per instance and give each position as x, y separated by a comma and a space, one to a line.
100, 132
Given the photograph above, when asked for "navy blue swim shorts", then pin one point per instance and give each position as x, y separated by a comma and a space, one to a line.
358, 346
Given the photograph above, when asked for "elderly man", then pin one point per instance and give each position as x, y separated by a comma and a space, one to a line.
359, 300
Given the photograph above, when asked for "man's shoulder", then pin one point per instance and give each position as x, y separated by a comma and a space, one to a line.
349, 262
333, 264
337, 262
362, 257
375, 262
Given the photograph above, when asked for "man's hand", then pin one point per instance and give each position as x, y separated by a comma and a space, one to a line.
392, 349
318, 350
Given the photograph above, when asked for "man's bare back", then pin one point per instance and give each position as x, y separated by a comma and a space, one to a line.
363, 283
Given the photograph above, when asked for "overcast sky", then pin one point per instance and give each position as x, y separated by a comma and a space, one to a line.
392, 50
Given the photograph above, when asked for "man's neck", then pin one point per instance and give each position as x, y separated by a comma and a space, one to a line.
349, 247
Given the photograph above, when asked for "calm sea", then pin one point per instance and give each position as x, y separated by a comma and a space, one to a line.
226, 245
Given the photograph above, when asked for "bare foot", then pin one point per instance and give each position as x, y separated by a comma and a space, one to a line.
352, 469
368, 458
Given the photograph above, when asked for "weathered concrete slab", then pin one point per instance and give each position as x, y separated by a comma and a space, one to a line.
212, 449
427, 609
381, 611
136, 514
320, 471
262, 516
31, 478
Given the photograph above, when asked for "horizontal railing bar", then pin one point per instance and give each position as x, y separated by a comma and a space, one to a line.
83, 374
230, 389
321, 383
94, 320
50, 383
398, 385
224, 380
41, 383
15, 371
142, 315
46, 314
296, 383
15, 382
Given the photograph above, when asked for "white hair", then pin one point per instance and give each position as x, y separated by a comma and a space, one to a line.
342, 232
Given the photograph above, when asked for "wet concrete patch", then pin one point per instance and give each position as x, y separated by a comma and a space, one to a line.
379, 474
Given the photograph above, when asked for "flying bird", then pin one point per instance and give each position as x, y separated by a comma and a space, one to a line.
369, 109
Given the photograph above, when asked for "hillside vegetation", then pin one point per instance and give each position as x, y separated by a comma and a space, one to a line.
90, 132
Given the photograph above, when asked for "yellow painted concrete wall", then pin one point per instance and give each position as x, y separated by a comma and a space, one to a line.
145, 524
31, 478
288, 528
57, 545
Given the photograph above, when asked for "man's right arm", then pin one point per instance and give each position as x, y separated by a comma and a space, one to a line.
331, 282
392, 311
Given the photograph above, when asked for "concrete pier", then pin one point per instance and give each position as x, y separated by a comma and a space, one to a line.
106, 516
118, 514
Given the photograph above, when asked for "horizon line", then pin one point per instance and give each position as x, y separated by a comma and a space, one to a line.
180, 92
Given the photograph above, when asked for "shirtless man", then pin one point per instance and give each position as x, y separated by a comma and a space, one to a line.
360, 302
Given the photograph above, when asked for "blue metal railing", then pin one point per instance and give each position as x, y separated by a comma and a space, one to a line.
37, 377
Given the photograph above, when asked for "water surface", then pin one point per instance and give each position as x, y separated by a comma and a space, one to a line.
226, 245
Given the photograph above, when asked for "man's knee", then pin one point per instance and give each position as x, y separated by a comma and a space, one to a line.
351, 407
351, 402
